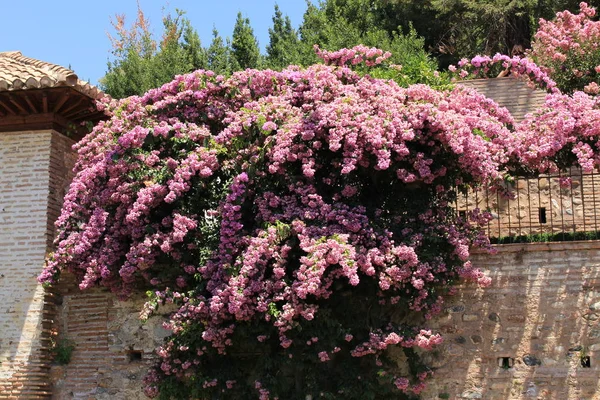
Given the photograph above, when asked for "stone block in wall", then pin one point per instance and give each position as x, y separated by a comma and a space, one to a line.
113, 348
538, 334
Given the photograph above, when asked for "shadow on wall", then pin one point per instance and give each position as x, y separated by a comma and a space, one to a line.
533, 334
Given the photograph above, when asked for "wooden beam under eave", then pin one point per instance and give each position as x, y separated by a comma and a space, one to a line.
35, 122
31, 105
71, 107
61, 102
62, 121
45, 102
10, 110
25, 121
14, 102
79, 113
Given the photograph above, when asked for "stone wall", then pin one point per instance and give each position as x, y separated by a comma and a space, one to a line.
533, 334
113, 349
32, 181
530, 335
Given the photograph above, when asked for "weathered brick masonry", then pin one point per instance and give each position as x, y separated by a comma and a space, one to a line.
41, 104
113, 348
32, 182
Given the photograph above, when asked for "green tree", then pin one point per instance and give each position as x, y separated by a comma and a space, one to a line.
464, 28
283, 47
196, 55
219, 55
327, 26
244, 45
486, 27
180, 50
335, 24
140, 63
132, 49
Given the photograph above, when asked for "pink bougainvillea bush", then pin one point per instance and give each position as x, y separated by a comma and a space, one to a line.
564, 132
568, 48
302, 221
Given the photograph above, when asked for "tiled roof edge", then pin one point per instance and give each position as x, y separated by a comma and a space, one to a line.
44, 75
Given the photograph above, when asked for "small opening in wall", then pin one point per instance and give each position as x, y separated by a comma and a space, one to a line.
462, 214
506, 362
586, 362
542, 215
134, 355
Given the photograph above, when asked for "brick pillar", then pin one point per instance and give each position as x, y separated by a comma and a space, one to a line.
34, 169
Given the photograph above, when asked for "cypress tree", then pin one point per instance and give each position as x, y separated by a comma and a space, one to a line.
244, 45
218, 54
283, 47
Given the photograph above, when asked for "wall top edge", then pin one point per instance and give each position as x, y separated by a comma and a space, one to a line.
545, 246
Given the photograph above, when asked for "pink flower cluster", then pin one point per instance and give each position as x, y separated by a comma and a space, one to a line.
480, 67
562, 133
370, 56
568, 48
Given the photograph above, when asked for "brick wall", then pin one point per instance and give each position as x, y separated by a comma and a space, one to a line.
29, 200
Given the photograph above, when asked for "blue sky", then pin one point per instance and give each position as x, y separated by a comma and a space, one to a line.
74, 32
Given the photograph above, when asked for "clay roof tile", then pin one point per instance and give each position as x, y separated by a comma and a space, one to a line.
18, 72
512, 93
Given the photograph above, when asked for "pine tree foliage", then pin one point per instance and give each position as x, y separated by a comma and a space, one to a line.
418, 34
283, 47
244, 45
219, 55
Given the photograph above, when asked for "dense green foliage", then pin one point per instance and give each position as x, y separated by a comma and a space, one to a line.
337, 24
141, 63
219, 55
244, 46
283, 48
462, 28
